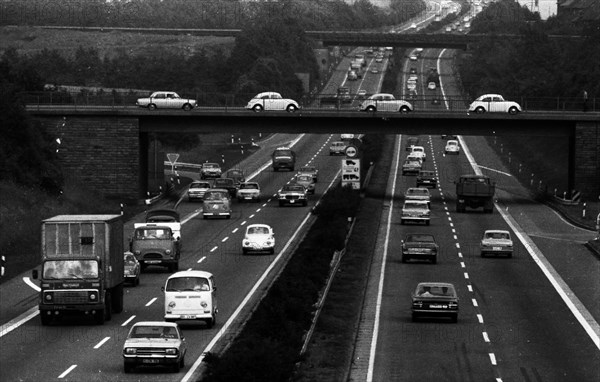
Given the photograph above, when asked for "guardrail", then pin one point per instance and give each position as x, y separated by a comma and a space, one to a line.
320, 101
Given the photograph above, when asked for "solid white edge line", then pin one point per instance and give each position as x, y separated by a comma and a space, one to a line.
383, 262
18, 321
582, 315
28, 281
244, 302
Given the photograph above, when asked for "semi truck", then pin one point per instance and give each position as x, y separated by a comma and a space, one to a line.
475, 191
82, 267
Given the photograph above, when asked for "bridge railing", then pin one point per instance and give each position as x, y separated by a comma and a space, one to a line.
429, 101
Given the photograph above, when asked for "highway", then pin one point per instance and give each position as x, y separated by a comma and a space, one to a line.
530, 318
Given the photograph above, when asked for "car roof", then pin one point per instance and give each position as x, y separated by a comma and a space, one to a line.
382, 94
266, 93
249, 183
489, 95
210, 163
435, 283
258, 225
496, 231
423, 202
192, 273
156, 323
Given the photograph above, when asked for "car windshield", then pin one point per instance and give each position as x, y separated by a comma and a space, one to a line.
435, 290
191, 283
420, 237
307, 169
293, 188
258, 231
153, 332
282, 154
452, 143
248, 186
200, 185
210, 165
415, 206
152, 233
426, 173
212, 195
129, 258
417, 191
497, 235
304, 178
70, 269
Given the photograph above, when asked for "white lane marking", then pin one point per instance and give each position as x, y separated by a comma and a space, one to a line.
128, 320
235, 230
28, 281
493, 358
264, 205
486, 338
586, 320
225, 239
101, 342
470, 288
457, 245
480, 318
474, 302
462, 264
243, 223
453, 230
460, 254
214, 248
251, 216
494, 170
258, 210
383, 263
189, 269
466, 275
64, 374
455, 238
224, 329
151, 301
18, 321
201, 259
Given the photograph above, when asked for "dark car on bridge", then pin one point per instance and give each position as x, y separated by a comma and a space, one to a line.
434, 299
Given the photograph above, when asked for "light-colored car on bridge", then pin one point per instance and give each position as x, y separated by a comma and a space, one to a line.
166, 100
385, 102
494, 103
272, 101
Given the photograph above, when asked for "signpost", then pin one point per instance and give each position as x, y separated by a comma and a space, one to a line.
351, 168
172, 157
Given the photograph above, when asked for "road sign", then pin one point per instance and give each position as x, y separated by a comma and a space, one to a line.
351, 151
351, 172
172, 157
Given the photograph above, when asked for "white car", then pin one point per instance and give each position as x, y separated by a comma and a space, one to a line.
496, 242
385, 102
197, 189
413, 57
258, 238
166, 100
431, 85
418, 193
413, 157
418, 151
452, 147
413, 26
494, 103
248, 191
190, 296
415, 211
272, 101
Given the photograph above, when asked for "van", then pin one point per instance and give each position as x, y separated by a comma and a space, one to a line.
191, 296
282, 158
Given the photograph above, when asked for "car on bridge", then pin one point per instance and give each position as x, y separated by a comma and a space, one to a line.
385, 102
248, 191
452, 147
197, 189
258, 238
494, 103
434, 299
272, 101
292, 194
154, 343
210, 170
497, 242
419, 246
166, 100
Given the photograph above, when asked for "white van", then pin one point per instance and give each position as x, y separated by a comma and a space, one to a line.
190, 295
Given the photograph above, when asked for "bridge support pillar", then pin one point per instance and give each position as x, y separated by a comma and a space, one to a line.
584, 169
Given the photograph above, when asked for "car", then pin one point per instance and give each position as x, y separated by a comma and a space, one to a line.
374, 70
216, 203
448, 29
418, 193
258, 238
337, 148
155, 244
292, 194
307, 181
227, 184
248, 191
419, 246
419, 151
449, 136
497, 242
413, 57
426, 178
154, 343
352, 76
431, 85
385, 102
210, 170
452, 147
413, 70
415, 157
410, 142
346, 137
236, 174
415, 211
197, 189
361, 94
413, 26
272, 101
190, 296
379, 59
494, 103
166, 100
411, 167
131, 268
2, 265
310, 170
413, 78
434, 299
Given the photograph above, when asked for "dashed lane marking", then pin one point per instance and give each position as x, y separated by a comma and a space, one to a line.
151, 302
66, 372
128, 320
99, 344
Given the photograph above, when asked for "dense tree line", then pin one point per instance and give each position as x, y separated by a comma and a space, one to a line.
536, 66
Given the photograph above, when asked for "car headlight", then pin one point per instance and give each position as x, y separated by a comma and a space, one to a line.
171, 351
246, 243
168, 251
130, 351
48, 296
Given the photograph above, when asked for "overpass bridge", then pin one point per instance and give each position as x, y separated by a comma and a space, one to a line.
111, 147
345, 38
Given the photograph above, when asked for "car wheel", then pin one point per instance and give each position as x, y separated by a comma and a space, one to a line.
371, 108
291, 108
187, 107
228, 217
175, 367
137, 281
152, 107
513, 110
404, 109
305, 203
257, 108
182, 362
480, 110
244, 251
482, 254
211, 322
272, 251
401, 222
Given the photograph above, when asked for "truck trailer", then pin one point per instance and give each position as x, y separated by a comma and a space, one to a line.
475, 191
82, 267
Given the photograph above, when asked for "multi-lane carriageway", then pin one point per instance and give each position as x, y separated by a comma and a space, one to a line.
514, 323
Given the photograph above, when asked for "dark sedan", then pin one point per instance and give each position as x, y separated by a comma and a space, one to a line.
419, 246
433, 299
227, 184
